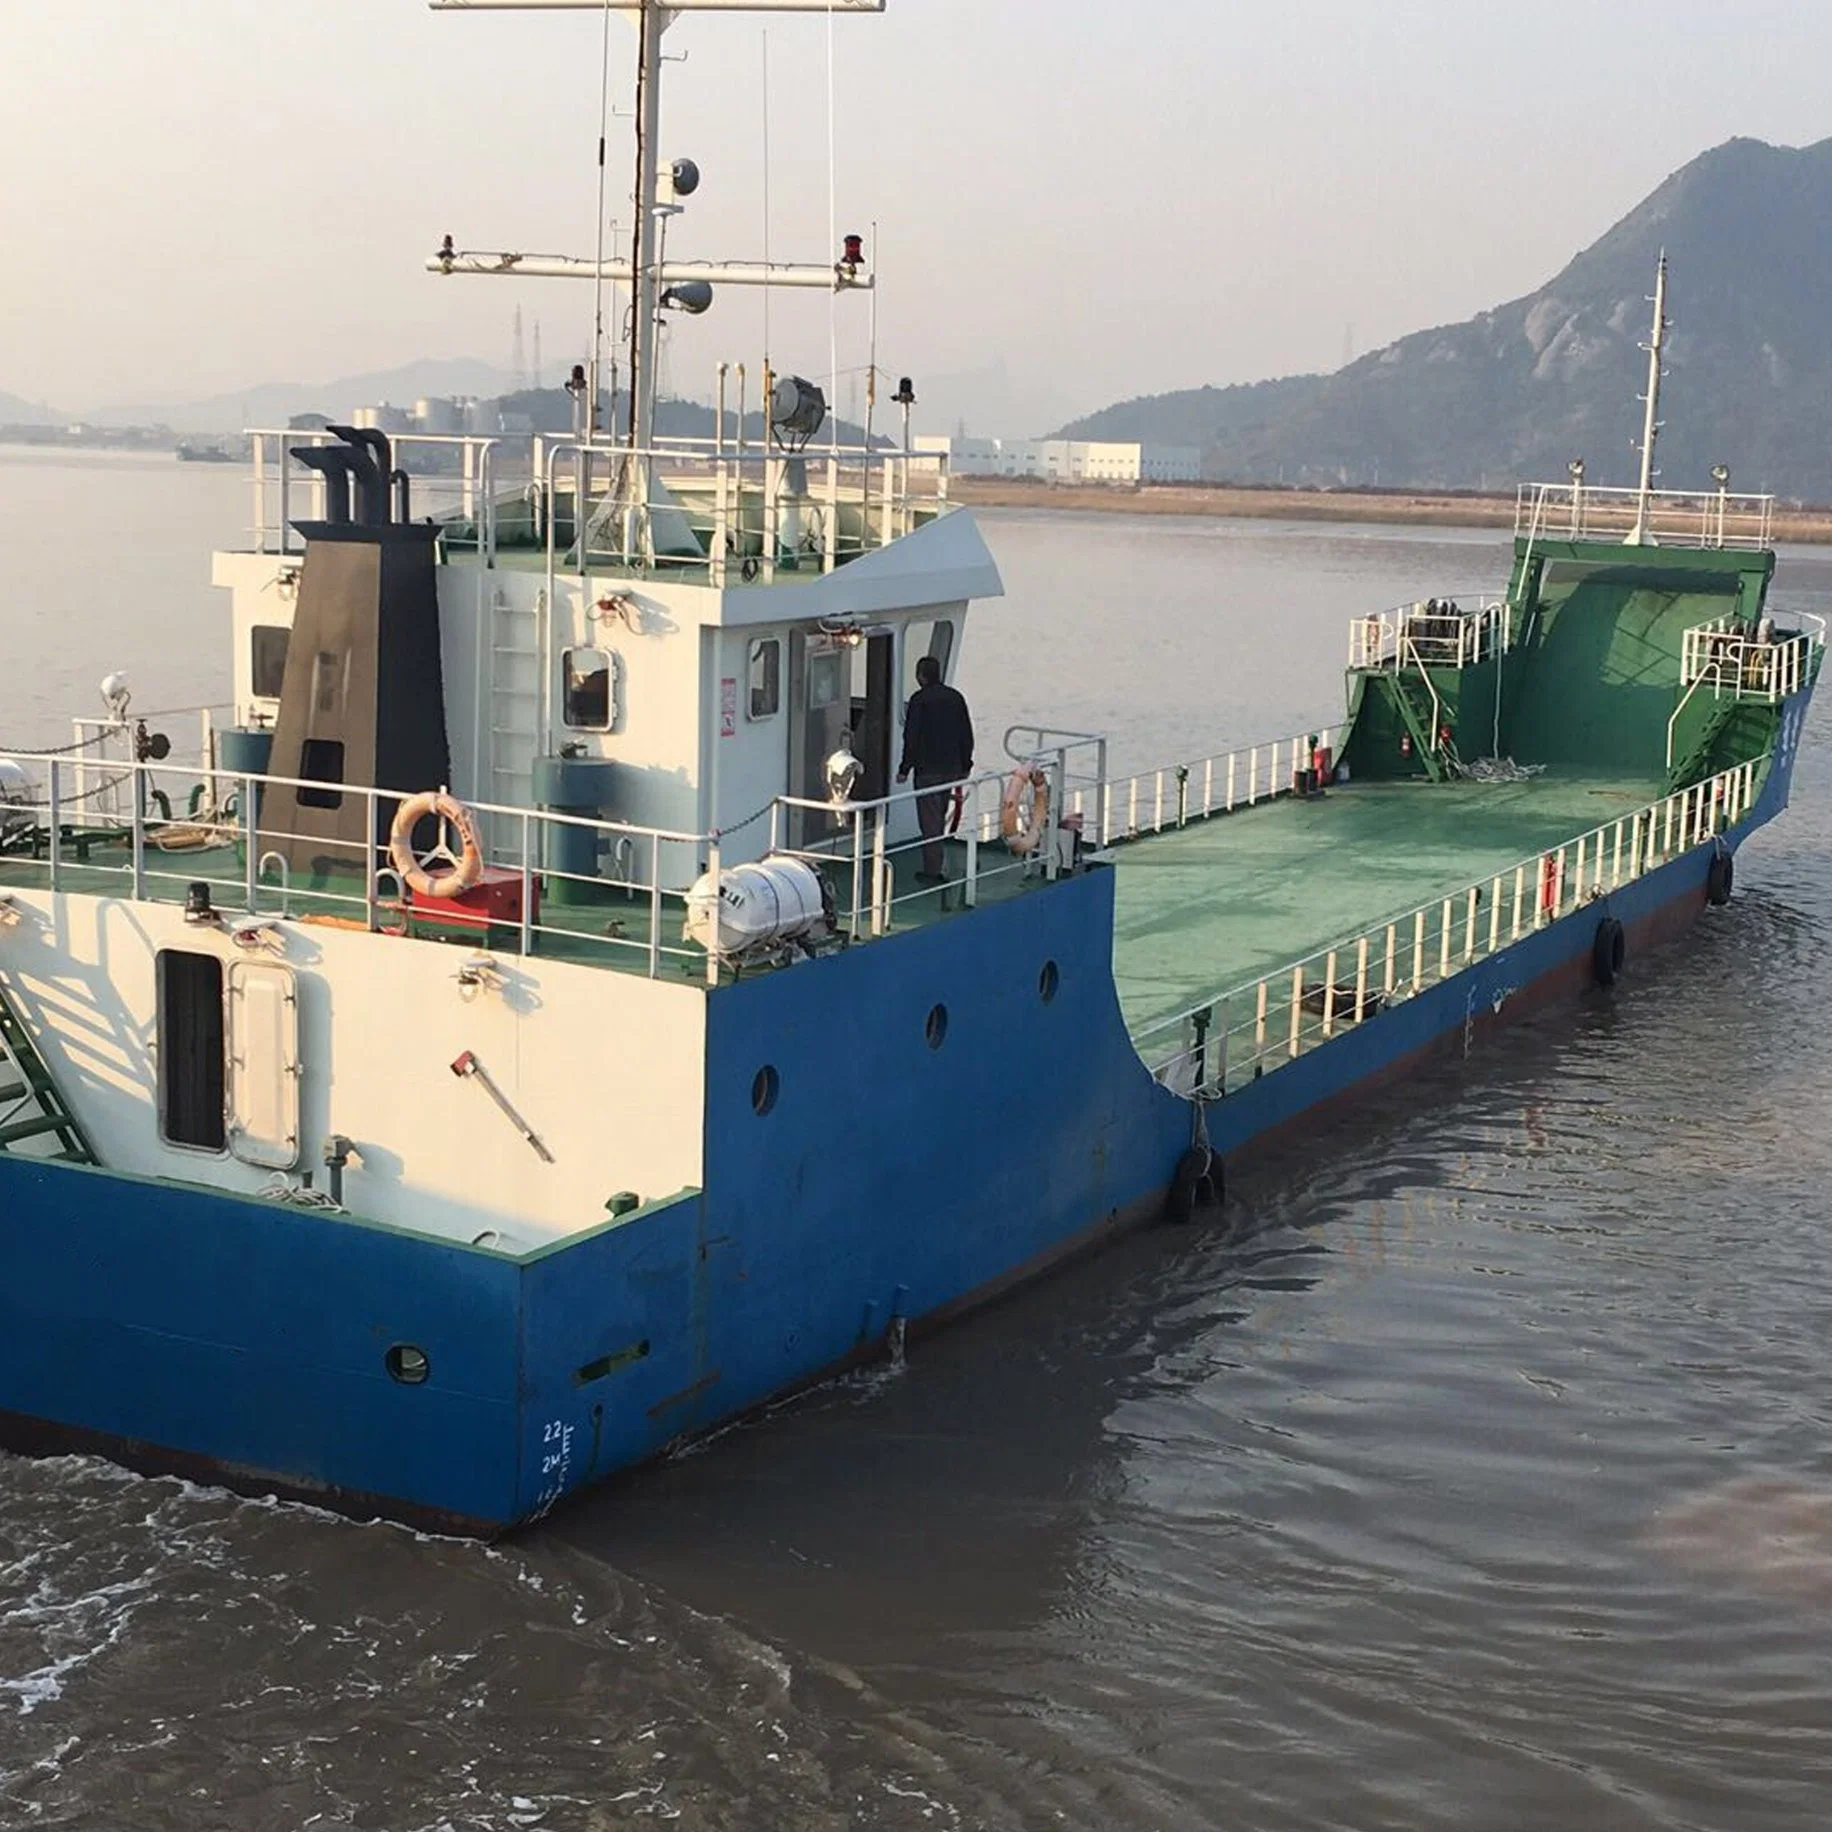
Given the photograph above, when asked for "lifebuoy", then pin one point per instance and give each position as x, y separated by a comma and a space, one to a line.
1720, 878
466, 869
1024, 813
1608, 951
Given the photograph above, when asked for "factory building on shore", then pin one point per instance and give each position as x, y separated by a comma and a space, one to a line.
1066, 460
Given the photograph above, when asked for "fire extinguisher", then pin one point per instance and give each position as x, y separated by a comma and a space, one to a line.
1444, 735
1405, 744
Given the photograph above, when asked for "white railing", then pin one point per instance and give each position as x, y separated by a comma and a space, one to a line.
724, 511
1436, 633
1173, 795
1220, 1043
214, 835
1722, 656
452, 478
1672, 518
855, 846
737, 513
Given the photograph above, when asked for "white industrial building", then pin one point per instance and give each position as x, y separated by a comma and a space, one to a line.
1067, 460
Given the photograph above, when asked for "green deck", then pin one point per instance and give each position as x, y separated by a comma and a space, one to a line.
1223, 901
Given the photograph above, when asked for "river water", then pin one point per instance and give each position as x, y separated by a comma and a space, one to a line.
1473, 1470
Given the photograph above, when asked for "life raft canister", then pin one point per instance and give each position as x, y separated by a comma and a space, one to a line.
1024, 811
465, 870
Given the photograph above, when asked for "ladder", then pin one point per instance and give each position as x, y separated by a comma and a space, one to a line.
30, 1106
513, 739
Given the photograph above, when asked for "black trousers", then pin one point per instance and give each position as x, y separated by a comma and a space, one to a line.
932, 816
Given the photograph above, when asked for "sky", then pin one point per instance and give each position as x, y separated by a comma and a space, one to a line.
1077, 201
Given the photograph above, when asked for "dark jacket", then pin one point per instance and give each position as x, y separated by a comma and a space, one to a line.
937, 735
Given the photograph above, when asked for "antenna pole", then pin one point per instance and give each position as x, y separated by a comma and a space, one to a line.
1650, 431
651, 22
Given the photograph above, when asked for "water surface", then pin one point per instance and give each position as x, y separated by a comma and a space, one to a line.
1471, 1471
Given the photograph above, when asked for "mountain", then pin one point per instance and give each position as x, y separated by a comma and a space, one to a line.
1517, 391
273, 403
17, 412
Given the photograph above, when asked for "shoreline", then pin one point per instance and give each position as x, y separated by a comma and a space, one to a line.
1419, 508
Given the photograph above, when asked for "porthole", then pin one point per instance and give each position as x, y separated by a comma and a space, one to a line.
408, 1364
1048, 981
764, 1090
936, 1029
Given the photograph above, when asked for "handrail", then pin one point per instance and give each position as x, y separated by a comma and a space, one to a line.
1288, 1011
164, 857
1682, 518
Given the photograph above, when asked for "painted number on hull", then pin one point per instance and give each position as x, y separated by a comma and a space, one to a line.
556, 1464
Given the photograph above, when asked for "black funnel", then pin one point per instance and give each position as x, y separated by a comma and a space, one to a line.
332, 462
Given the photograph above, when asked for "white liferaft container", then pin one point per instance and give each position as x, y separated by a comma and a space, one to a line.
774, 900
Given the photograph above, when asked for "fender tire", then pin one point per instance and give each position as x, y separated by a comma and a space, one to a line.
1608, 952
1186, 1184
1720, 879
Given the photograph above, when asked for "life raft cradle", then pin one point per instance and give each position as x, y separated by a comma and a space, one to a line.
25, 1083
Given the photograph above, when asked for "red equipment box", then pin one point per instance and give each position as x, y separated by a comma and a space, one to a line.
493, 902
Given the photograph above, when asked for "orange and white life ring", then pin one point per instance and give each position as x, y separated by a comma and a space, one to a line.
465, 870
1024, 813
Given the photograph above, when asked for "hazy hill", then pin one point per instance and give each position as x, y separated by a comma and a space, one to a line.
273, 403
17, 412
1517, 391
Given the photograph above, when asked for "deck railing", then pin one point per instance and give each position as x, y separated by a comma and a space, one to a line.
1721, 655
1578, 511
852, 840
213, 835
1436, 634
721, 510
1222, 1042
1172, 795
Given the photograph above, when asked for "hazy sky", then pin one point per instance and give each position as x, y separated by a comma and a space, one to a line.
1102, 199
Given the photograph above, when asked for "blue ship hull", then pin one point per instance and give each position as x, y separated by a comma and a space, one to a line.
892, 1183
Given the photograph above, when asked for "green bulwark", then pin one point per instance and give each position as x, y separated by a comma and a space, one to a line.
1591, 676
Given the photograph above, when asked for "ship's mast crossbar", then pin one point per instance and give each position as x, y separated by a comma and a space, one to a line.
673, 6
671, 273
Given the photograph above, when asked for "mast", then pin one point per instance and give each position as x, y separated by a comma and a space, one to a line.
1650, 431
645, 338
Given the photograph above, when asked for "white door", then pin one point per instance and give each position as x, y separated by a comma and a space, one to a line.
264, 1064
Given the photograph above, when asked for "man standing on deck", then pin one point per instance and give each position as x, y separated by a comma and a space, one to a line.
937, 749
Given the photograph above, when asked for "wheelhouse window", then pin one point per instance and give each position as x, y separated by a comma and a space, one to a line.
268, 644
587, 689
191, 1049
766, 678
927, 637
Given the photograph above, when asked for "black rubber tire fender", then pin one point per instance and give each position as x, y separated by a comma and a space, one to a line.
1608, 951
1720, 879
1193, 1169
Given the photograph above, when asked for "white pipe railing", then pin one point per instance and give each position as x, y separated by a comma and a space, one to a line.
229, 848
1432, 632
1252, 1028
1674, 518
1173, 795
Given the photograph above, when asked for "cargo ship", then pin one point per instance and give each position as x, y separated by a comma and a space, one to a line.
530, 1032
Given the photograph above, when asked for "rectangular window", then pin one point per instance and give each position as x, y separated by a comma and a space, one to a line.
269, 643
191, 1055
586, 675
321, 760
766, 678
924, 638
